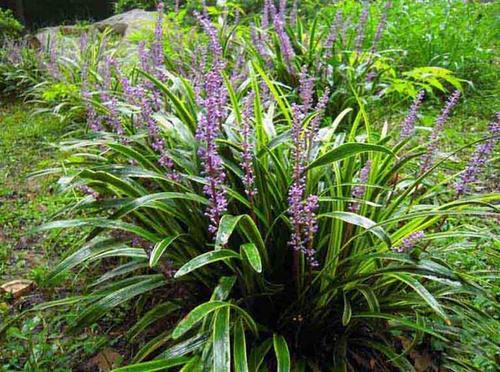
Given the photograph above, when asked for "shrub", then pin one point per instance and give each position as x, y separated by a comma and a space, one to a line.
121, 6
10, 27
246, 215
267, 233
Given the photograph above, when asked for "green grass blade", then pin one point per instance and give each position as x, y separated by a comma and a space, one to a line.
205, 259
282, 353
221, 341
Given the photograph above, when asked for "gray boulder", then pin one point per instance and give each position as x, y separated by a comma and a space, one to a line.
126, 23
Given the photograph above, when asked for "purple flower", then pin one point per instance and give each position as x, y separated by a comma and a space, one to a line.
297, 190
157, 52
51, 65
479, 158
293, 13
333, 33
264, 21
409, 243
284, 40
247, 156
94, 121
258, 41
306, 90
358, 191
438, 128
138, 96
209, 128
143, 56
320, 111
408, 125
88, 191
361, 31
301, 213
343, 32
84, 42
381, 26
310, 228
282, 9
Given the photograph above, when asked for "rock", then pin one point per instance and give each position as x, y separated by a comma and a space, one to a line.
106, 360
18, 287
50, 33
122, 24
128, 22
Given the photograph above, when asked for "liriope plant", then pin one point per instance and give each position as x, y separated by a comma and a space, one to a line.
341, 47
273, 237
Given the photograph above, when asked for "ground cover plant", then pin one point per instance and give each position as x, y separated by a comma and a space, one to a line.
245, 211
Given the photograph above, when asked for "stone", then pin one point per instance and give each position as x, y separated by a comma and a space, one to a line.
126, 23
122, 24
18, 287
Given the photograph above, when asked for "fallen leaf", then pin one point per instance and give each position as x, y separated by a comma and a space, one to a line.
18, 287
107, 359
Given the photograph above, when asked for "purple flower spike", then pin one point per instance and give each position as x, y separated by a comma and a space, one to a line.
285, 43
320, 111
358, 191
246, 164
94, 121
157, 52
310, 228
409, 243
381, 26
361, 31
408, 125
438, 128
52, 66
84, 42
282, 9
306, 90
209, 127
479, 158
333, 33
294, 12
302, 216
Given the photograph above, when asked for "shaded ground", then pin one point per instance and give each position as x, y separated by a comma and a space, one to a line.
38, 341
25, 202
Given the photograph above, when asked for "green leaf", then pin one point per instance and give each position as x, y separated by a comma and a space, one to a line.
99, 222
221, 341
259, 353
194, 365
282, 353
101, 307
205, 259
251, 253
362, 221
240, 348
221, 292
347, 313
185, 347
226, 227
247, 227
158, 312
399, 320
160, 248
347, 150
197, 314
88, 251
422, 292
